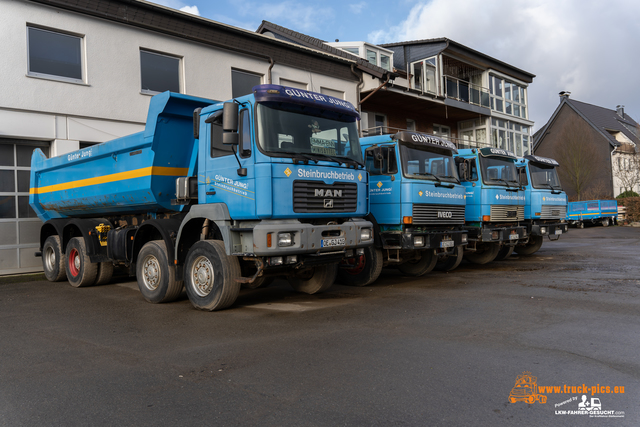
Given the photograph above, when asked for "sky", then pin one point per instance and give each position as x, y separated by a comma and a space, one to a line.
586, 47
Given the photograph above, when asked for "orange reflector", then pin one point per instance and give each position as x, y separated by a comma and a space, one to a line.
407, 220
269, 240
537, 214
486, 217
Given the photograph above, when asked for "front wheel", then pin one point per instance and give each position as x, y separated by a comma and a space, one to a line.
365, 272
531, 247
80, 270
321, 279
53, 260
451, 262
156, 276
421, 266
605, 222
210, 276
485, 253
504, 253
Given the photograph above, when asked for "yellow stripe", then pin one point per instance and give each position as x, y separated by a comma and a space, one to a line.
120, 176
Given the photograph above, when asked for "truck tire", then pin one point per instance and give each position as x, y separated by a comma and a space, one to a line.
322, 277
451, 262
605, 222
423, 265
156, 276
80, 271
581, 224
210, 276
364, 273
105, 273
52, 260
504, 253
485, 253
531, 247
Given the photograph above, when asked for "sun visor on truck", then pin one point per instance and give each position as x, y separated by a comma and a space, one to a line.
541, 160
421, 139
305, 102
497, 152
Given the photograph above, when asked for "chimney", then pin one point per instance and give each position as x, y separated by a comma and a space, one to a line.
620, 110
564, 94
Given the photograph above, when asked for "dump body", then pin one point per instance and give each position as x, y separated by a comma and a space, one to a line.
129, 175
593, 211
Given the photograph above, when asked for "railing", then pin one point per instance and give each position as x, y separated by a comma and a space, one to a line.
466, 92
459, 142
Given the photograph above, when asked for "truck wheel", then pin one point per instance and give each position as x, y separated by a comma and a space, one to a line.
210, 276
156, 276
451, 261
423, 265
486, 252
605, 222
366, 272
53, 260
531, 247
105, 272
581, 224
80, 271
322, 277
504, 253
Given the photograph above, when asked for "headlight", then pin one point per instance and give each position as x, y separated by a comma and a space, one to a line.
285, 239
292, 259
360, 251
543, 230
464, 238
418, 241
366, 234
495, 235
276, 260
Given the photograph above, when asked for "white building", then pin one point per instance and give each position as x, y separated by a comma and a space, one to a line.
81, 72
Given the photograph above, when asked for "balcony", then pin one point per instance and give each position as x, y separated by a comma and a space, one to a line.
464, 91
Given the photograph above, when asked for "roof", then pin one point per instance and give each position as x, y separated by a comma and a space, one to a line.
442, 43
604, 120
314, 43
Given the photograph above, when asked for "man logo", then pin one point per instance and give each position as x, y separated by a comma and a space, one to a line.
328, 203
445, 214
319, 192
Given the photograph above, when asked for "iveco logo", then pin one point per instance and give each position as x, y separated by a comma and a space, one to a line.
319, 192
445, 214
328, 203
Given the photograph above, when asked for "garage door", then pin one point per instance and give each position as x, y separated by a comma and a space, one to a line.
19, 225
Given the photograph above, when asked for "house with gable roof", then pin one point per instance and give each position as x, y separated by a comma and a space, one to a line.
612, 136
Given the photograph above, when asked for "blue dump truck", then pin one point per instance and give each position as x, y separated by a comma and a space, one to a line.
603, 212
417, 207
545, 203
494, 203
210, 196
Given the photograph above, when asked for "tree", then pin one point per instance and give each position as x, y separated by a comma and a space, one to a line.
578, 157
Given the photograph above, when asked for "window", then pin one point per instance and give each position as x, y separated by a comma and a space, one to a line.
332, 92
442, 131
54, 55
507, 97
218, 149
424, 75
353, 50
385, 62
372, 56
244, 134
292, 83
242, 83
159, 72
411, 125
510, 136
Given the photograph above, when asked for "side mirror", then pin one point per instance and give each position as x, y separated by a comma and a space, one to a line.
463, 171
230, 117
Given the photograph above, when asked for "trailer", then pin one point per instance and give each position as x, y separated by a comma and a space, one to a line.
603, 212
210, 196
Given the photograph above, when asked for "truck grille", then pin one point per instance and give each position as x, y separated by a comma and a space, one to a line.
553, 212
438, 214
507, 213
317, 196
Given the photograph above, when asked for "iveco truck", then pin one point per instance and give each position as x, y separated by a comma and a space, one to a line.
210, 196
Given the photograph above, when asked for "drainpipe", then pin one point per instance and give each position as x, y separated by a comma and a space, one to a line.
358, 89
613, 187
377, 89
271, 64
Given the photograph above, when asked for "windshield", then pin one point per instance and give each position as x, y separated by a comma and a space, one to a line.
499, 171
313, 138
422, 164
544, 177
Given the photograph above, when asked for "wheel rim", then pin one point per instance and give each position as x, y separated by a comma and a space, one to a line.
203, 276
74, 262
50, 258
357, 269
151, 273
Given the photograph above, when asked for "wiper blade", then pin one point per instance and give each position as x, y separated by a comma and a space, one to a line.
296, 156
449, 176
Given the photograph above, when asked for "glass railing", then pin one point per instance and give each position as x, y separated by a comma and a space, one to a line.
466, 92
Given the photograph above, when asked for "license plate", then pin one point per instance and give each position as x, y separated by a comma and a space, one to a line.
446, 244
514, 236
325, 243
558, 231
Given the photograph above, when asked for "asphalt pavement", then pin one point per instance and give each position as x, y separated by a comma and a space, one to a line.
445, 349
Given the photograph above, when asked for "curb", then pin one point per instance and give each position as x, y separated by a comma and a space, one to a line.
18, 278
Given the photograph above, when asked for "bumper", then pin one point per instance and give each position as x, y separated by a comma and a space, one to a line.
508, 234
411, 239
551, 229
309, 238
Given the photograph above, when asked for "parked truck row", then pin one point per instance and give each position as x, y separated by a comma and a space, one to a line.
213, 196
